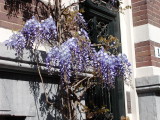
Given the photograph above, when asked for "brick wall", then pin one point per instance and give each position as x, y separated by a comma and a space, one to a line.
12, 23
146, 11
145, 55
153, 10
14, 14
139, 9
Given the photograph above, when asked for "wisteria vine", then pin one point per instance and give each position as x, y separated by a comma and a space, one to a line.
81, 65
75, 55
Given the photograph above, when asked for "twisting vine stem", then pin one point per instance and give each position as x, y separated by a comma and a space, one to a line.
41, 78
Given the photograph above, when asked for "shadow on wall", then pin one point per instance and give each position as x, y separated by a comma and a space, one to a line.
45, 110
26, 8
46, 95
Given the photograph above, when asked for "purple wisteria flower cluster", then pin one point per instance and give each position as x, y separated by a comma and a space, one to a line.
48, 30
75, 55
33, 32
69, 56
79, 19
109, 67
18, 43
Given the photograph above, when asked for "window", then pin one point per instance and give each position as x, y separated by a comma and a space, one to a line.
103, 19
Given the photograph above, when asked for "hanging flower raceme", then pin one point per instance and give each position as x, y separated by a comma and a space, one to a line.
122, 66
79, 19
70, 56
31, 32
26, 37
84, 33
109, 67
60, 57
52, 60
105, 67
17, 42
48, 30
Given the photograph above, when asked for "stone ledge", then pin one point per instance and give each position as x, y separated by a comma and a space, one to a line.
148, 89
8, 59
148, 84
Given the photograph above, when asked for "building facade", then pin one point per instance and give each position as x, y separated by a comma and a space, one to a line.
146, 30
21, 91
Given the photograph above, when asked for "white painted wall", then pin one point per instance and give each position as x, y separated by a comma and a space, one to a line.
147, 71
146, 32
5, 34
127, 39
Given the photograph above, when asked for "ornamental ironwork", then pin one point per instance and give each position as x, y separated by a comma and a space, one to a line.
107, 3
97, 29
